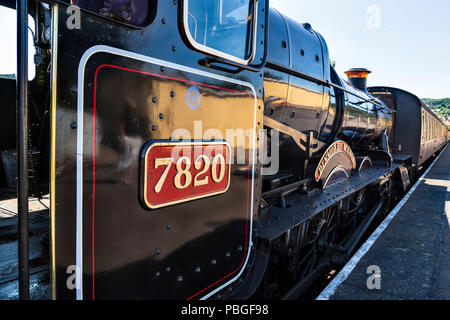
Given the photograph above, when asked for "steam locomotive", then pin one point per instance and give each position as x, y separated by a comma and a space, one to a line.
199, 149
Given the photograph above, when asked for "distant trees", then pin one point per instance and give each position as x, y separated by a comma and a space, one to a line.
440, 106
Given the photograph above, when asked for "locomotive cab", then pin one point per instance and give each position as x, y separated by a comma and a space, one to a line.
120, 90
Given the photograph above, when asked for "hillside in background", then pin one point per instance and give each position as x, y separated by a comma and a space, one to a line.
8, 76
440, 106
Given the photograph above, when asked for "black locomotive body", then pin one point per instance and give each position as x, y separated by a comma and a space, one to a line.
300, 163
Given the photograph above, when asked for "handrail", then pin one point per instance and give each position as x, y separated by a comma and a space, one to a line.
326, 83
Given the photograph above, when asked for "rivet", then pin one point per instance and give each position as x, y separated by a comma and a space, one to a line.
158, 251
154, 127
168, 269
163, 21
172, 94
162, 69
158, 274
169, 227
240, 247
213, 261
161, 116
180, 278
73, 125
227, 254
154, 99
197, 269
174, 48
74, 89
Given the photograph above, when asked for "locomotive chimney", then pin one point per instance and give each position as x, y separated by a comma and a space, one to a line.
358, 78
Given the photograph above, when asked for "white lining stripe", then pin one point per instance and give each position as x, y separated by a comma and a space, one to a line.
80, 110
330, 290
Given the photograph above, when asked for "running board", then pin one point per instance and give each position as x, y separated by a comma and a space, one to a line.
302, 207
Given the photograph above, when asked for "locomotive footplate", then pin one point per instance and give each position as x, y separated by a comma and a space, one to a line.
302, 207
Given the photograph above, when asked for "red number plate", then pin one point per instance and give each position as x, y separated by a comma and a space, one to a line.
177, 172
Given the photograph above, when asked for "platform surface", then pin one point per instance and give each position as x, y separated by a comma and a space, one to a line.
413, 252
39, 259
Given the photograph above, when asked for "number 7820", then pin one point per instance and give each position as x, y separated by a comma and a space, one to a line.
208, 171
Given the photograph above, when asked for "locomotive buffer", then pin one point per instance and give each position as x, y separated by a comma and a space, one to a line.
408, 256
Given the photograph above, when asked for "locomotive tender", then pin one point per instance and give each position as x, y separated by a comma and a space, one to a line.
199, 149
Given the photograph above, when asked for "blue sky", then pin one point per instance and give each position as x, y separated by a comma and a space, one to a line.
407, 47
8, 35
405, 43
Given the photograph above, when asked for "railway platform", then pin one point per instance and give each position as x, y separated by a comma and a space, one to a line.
408, 256
39, 259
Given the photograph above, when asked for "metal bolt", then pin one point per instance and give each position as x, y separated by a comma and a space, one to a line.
180, 278
154, 99
154, 127
73, 125
197, 269
227, 254
161, 116
172, 94
213, 261
74, 89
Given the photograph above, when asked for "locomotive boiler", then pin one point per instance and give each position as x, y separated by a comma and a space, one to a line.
200, 149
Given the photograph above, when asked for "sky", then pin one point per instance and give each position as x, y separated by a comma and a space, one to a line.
8, 35
406, 44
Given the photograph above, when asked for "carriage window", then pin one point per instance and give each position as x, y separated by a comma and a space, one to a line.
8, 57
221, 27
